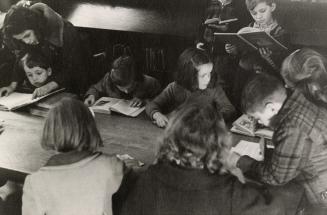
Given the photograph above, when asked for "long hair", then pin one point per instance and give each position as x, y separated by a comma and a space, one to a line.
195, 135
17, 20
187, 72
305, 69
70, 126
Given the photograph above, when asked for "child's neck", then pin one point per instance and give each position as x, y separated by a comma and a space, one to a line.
268, 26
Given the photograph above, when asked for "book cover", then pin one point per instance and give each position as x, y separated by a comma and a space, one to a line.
251, 38
218, 21
246, 125
108, 104
17, 100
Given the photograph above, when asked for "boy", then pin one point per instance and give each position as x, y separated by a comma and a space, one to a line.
300, 138
262, 14
124, 82
38, 73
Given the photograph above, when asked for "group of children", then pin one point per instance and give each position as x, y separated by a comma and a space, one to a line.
189, 176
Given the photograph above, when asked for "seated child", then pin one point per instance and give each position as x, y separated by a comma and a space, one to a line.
77, 179
299, 138
306, 70
192, 77
39, 75
262, 13
125, 82
186, 178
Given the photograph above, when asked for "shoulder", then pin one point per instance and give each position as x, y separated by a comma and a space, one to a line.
150, 80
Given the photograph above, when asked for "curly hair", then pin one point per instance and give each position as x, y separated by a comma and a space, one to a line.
251, 4
305, 69
195, 135
187, 72
18, 19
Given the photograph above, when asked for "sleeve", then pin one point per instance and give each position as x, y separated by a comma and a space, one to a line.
227, 109
149, 89
30, 206
287, 158
99, 88
164, 101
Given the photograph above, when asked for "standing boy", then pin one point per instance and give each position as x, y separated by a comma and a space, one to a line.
300, 138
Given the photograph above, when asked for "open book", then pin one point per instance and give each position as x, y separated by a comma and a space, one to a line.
108, 104
252, 149
17, 100
251, 38
247, 125
218, 21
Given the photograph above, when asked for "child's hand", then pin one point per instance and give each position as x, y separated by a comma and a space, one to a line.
265, 53
200, 46
89, 101
41, 91
136, 102
160, 120
229, 160
6, 91
231, 49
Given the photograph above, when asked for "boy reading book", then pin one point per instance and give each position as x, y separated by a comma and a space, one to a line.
124, 81
38, 76
264, 20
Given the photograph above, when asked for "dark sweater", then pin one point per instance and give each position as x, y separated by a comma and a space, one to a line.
166, 189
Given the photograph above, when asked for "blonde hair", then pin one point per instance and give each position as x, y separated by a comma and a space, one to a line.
70, 126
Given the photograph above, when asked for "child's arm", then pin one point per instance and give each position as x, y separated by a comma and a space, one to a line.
160, 119
102, 87
266, 54
90, 100
45, 89
226, 108
30, 206
6, 91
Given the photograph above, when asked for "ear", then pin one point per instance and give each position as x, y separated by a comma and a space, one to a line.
273, 6
49, 71
272, 107
311, 65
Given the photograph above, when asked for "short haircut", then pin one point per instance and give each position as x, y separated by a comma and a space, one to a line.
19, 18
123, 71
70, 126
259, 91
187, 72
195, 135
36, 59
251, 4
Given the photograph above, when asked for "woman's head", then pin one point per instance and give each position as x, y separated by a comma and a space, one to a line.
305, 69
70, 126
194, 69
195, 135
124, 74
24, 25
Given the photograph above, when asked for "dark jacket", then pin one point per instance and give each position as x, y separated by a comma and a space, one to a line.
167, 189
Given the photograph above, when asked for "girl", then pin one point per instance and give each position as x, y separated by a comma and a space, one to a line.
126, 82
186, 179
77, 180
305, 69
40, 26
192, 78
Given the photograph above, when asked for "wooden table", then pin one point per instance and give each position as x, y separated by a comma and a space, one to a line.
21, 152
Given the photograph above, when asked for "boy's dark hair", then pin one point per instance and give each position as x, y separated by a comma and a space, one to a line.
257, 91
36, 59
70, 126
195, 135
123, 71
187, 72
19, 18
251, 4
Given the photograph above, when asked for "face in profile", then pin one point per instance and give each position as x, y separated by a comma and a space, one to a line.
37, 76
262, 13
28, 37
268, 114
204, 75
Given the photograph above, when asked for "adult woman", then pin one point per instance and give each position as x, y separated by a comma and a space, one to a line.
41, 27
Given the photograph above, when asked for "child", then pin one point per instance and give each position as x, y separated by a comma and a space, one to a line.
38, 73
192, 78
125, 82
186, 180
305, 70
262, 13
300, 138
78, 179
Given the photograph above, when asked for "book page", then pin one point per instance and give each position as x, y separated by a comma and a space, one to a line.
245, 124
15, 99
251, 149
104, 104
123, 106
